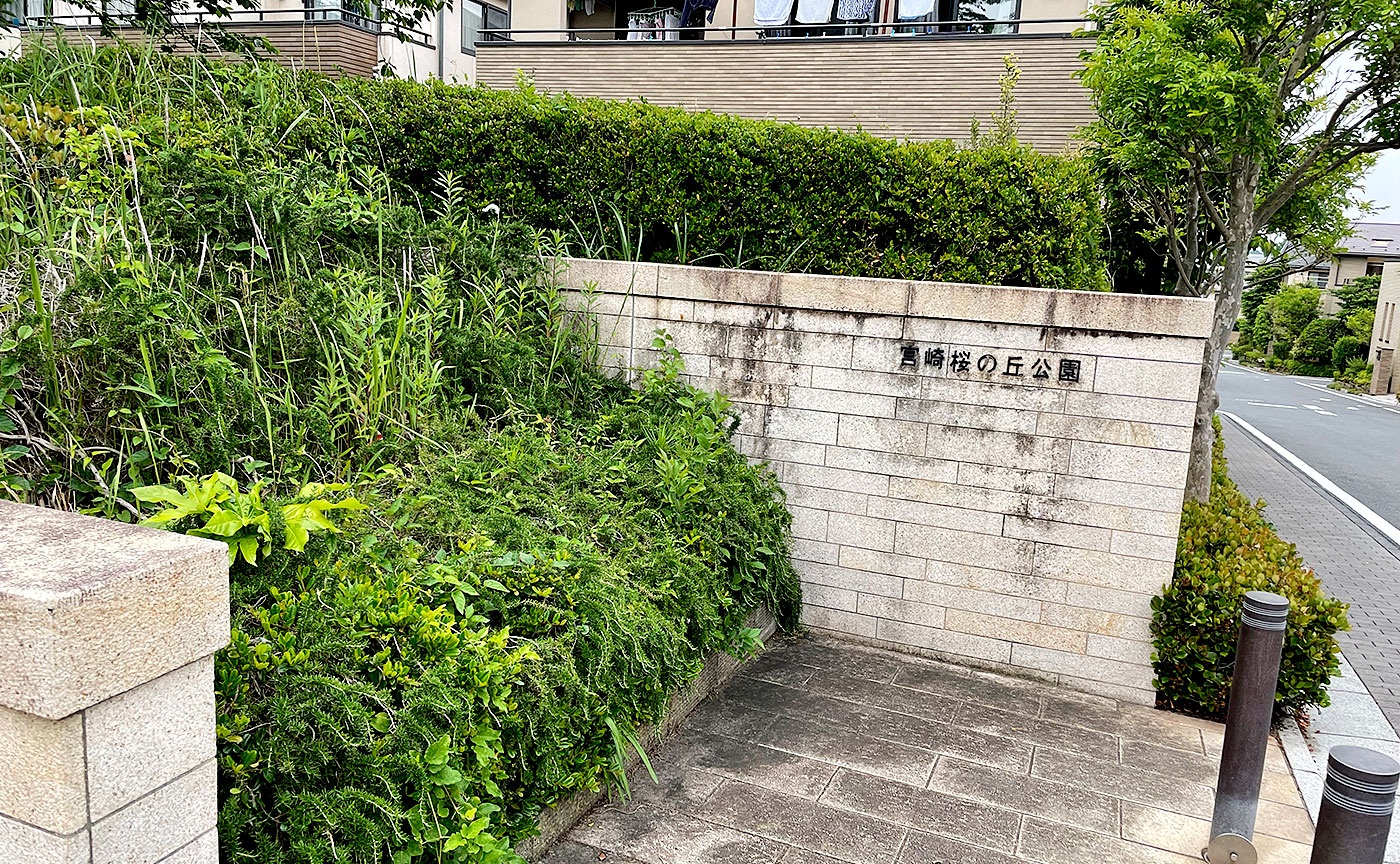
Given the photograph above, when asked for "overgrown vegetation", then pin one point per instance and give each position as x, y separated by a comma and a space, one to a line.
1226, 549
1282, 327
466, 566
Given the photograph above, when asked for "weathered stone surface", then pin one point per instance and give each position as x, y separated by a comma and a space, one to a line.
149, 735
152, 827
1062, 802
22, 843
90, 608
1019, 444
42, 779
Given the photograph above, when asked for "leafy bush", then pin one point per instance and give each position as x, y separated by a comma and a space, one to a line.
1226, 549
1345, 351
663, 184
1315, 341
466, 564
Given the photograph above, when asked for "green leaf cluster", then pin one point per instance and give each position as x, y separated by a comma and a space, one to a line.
1226, 549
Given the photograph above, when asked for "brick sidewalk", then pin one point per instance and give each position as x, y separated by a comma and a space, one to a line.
1354, 566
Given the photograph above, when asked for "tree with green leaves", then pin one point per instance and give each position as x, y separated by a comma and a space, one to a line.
1242, 125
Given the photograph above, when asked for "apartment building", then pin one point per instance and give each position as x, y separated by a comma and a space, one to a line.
1365, 253
905, 69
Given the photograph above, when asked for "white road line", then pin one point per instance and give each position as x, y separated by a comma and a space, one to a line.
1366, 513
1241, 368
1353, 408
1271, 405
1353, 397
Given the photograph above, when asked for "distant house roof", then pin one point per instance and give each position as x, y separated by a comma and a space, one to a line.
1373, 238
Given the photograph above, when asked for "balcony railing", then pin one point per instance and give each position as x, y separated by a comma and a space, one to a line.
243, 21
916, 29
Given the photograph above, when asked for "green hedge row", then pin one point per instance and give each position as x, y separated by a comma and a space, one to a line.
728, 191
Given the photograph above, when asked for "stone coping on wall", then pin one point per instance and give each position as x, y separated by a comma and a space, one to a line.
1035, 307
90, 608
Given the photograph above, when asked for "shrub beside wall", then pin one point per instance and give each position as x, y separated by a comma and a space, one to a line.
1227, 548
728, 191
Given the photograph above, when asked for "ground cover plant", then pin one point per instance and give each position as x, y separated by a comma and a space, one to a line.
466, 566
1227, 547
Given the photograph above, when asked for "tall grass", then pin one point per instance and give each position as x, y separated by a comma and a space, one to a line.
178, 297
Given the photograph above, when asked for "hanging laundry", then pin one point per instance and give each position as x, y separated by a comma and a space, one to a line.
814, 11
854, 10
692, 12
771, 13
911, 9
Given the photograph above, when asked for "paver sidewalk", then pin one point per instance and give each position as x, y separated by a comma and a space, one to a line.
822, 752
1354, 565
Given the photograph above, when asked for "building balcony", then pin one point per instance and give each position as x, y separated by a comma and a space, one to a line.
331, 38
909, 80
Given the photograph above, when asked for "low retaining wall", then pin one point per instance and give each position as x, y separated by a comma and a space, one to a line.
556, 821
992, 475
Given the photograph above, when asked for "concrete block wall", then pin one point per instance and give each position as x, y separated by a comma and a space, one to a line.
107, 635
992, 475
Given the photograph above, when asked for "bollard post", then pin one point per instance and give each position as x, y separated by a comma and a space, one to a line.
1248, 720
1357, 800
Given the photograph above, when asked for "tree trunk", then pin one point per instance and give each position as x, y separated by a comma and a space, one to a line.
1245, 184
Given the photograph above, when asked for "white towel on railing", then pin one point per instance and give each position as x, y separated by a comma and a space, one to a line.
910, 9
771, 13
814, 11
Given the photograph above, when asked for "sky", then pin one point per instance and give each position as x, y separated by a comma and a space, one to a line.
1383, 188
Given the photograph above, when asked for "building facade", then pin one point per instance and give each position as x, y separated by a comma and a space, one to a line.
1365, 253
1384, 334
904, 69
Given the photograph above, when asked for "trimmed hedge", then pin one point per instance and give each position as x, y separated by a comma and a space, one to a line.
727, 191
1227, 548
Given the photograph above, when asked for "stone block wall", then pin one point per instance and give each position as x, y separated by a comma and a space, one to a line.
107, 635
993, 475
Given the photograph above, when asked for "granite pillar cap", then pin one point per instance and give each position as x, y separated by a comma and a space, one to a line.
90, 608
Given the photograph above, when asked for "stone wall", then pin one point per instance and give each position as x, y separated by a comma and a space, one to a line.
992, 475
107, 633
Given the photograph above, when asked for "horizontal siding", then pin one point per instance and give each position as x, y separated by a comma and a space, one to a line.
332, 47
914, 90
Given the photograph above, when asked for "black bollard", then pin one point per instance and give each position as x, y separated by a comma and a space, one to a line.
1354, 822
1249, 717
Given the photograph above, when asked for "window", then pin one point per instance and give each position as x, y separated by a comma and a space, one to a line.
988, 11
1374, 268
477, 16
1319, 278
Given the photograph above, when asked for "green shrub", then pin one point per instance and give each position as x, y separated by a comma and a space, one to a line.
1348, 349
1227, 548
1315, 343
632, 179
1316, 370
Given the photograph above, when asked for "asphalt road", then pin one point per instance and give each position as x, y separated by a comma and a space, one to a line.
1354, 442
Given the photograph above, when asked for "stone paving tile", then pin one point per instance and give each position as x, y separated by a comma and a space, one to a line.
1353, 565
1053, 843
762, 766
1128, 784
815, 827
1033, 730
672, 838
922, 848
1111, 717
1005, 693
898, 727
1070, 804
877, 756
925, 810
815, 765
915, 703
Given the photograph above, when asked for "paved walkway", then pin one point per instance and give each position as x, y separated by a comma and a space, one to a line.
823, 752
1353, 564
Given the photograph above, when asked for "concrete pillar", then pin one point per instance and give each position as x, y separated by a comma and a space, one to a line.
107, 636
